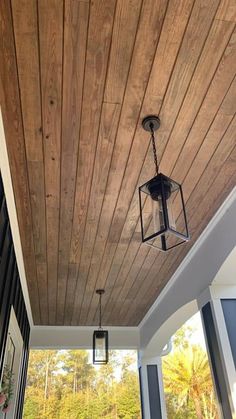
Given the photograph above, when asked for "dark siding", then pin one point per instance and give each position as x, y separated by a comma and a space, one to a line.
11, 295
154, 393
141, 391
229, 309
216, 362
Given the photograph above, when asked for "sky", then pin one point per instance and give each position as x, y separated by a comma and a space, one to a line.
198, 335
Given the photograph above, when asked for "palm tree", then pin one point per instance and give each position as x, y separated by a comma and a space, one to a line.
187, 378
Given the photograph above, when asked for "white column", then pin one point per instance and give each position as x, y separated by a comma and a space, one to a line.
152, 389
219, 343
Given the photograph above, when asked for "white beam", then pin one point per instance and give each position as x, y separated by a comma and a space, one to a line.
78, 337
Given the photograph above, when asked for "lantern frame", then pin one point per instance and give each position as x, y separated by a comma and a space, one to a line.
97, 335
163, 180
160, 188
100, 334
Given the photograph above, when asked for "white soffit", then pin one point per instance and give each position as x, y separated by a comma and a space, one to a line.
78, 337
227, 273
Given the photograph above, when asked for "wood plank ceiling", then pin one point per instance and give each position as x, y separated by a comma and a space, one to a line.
77, 77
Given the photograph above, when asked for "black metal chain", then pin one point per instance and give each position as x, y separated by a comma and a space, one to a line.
154, 148
100, 311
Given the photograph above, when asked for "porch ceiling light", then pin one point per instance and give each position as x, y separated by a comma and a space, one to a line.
162, 210
100, 338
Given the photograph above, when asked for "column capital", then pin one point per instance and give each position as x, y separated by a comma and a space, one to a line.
216, 292
144, 360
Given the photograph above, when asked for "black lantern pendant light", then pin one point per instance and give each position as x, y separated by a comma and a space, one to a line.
100, 338
162, 210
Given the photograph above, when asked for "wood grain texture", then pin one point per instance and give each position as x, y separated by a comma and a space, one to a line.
26, 38
50, 23
106, 138
211, 141
72, 111
98, 47
202, 194
13, 125
185, 61
167, 50
123, 38
150, 25
227, 11
75, 40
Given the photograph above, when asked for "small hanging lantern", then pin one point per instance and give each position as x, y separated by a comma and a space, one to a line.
162, 210
100, 338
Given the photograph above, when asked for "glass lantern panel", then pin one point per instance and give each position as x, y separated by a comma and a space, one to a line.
165, 241
162, 214
176, 211
100, 347
152, 215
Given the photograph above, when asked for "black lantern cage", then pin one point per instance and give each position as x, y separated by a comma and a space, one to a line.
100, 347
162, 213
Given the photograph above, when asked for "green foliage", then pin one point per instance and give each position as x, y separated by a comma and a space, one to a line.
7, 386
187, 380
64, 385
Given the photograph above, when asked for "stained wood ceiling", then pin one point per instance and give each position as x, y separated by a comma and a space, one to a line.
77, 77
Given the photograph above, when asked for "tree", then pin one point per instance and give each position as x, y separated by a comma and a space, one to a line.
79, 372
64, 385
187, 379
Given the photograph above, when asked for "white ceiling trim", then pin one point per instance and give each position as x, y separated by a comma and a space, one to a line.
80, 337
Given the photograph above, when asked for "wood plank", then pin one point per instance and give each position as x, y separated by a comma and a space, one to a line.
123, 37
144, 50
70, 292
215, 45
211, 141
98, 47
43, 292
220, 189
76, 16
122, 284
50, 23
26, 38
219, 85
99, 39
13, 125
201, 191
184, 66
129, 269
106, 139
227, 11
121, 49
167, 50
213, 100
72, 113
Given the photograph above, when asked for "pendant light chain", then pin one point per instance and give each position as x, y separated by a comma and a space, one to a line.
154, 148
100, 311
